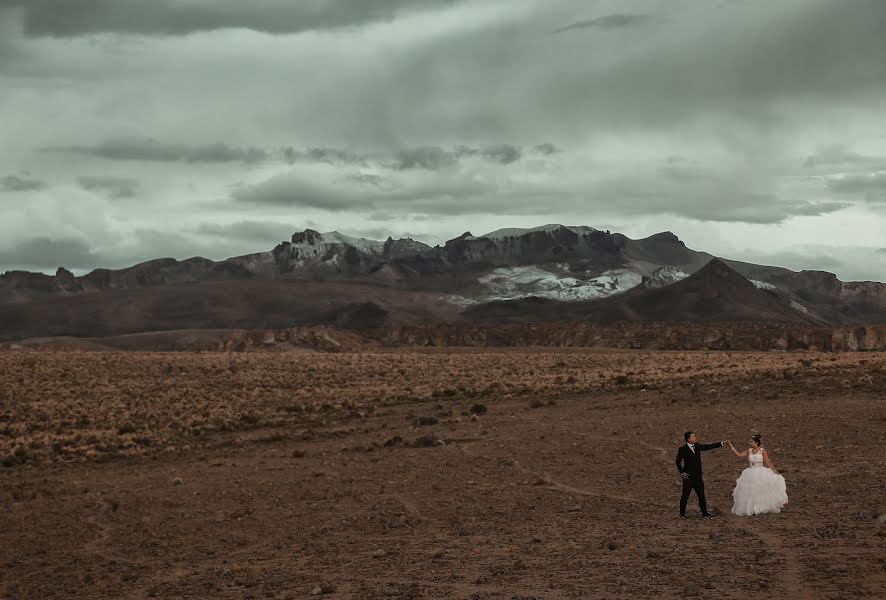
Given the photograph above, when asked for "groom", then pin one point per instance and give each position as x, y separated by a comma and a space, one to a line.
689, 466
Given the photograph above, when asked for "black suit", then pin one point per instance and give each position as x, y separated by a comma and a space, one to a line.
689, 462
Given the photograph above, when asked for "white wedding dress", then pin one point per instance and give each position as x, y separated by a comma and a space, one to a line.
758, 490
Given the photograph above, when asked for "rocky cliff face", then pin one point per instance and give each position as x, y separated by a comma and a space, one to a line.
647, 336
650, 336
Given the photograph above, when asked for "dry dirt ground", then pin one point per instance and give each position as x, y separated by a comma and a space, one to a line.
449, 474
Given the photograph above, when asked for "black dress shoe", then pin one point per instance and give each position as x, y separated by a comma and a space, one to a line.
707, 515
683, 517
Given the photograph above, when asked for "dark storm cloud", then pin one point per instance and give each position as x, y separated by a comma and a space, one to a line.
872, 185
148, 150
46, 253
115, 187
546, 149
14, 183
440, 195
502, 153
684, 191
429, 158
434, 158
616, 21
287, 190
329, 156
66, 18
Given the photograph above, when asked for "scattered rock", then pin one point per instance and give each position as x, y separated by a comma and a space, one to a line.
428, 441
478, 409
395, 441
437, 553
536, 403
9, 461
178, 481
611, 546
379, 553
398, 522
323, 588
425, 421
475, 418
298, 454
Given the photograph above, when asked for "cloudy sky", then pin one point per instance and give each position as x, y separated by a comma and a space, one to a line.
135, 129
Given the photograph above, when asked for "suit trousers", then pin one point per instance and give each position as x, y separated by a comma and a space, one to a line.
697, 484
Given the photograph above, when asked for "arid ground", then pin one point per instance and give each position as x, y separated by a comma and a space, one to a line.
445, 474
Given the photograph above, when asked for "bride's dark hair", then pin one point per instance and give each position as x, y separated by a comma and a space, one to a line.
756, 438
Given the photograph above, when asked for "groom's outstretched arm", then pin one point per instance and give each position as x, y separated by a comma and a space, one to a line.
703, 447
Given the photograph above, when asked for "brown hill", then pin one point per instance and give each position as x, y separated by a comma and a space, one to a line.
250, 304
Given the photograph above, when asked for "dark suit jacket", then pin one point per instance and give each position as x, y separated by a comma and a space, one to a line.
690, 462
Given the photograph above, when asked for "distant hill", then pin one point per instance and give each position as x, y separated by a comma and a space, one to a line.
547, 273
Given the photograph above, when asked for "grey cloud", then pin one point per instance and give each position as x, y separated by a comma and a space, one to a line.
326, 155
251, 231
871, 185
63, 18
841, 155
115, 187
502, 153
686, 189
14, 183
436, 194
851, 263
682, 190
430, 158
148, 150
46, 253
289, 190
615, 21
366, 179
546, 149
698, 67
434, 158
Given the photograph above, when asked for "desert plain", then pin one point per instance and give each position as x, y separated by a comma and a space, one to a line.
446, 473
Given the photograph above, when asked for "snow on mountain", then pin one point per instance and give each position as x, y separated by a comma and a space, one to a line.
797, 306
762, 285
665, 276
366, 245
518, 282
514, 231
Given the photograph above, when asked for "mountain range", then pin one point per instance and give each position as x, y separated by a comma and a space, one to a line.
544, 274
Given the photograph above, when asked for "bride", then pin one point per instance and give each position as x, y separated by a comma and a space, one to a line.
758, 490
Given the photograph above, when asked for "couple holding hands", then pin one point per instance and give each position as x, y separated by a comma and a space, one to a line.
758, 490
